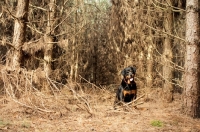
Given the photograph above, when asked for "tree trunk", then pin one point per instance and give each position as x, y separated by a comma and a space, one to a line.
14, 57
149, 78
74, 49
167, 54
49, 37
192, 59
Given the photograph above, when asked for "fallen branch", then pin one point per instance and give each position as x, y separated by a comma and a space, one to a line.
139, 98
136, 113
138, 104
130, 103
79, 98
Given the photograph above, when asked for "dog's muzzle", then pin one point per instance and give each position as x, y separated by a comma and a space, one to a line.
129, 77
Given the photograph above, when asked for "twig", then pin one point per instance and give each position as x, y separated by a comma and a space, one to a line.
13, 16
89, 111
64, 18
11, 94
139, 98
175, 66
38, 7
138, 104
135, 100
176, 84
30, 81
89, 82
35, 29
78, 97
175, 9
51, 82
165, 32
127, 104
25, 105
126, 112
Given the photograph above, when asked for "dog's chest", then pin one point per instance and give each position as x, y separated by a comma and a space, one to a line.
129, 87
126, 86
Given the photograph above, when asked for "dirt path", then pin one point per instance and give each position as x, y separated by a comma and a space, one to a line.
99, 116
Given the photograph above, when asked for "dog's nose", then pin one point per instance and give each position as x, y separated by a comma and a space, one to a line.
130, 74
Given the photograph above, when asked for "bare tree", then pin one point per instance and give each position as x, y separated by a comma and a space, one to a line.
167, 53
14, 56
192, 59
49, 37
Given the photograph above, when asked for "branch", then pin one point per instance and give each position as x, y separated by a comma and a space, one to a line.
165, 33
177, 67
79, 98
38, 7
139, 98
168, 80
13, 16
63, 20
89, 82
174, 9
35, 29
130, 103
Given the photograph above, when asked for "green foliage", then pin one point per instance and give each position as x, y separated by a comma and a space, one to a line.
157, 123
26, 125
3, 123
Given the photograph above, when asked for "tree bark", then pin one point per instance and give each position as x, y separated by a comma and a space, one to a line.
192, 61
167, 54
149, 78
14, 56
49, 37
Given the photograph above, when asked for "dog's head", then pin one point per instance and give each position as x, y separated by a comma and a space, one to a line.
129, 74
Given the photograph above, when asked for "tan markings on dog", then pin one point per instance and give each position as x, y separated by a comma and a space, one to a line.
129, 92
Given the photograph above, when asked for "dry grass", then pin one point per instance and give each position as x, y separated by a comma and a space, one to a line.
84, 109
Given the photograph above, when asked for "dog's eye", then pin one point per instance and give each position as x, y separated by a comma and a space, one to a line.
128, 71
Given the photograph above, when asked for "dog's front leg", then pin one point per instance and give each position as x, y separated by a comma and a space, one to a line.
120, 94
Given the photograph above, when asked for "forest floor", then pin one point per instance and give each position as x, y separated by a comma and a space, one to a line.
92, 111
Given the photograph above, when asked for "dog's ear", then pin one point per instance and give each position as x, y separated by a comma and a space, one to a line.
134, 69
123, 72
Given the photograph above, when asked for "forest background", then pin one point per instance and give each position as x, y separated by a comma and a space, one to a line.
47, 45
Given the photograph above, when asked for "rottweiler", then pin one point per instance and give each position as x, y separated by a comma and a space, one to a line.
127, 91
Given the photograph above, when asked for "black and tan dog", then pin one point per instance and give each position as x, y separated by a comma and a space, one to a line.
127, 91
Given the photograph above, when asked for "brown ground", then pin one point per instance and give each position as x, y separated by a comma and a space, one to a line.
92, 111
